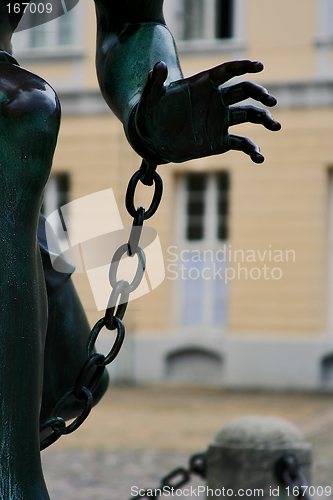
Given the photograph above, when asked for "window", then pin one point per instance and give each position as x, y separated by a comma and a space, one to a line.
202, 254
55, 196
207, 25
224, 19
193, 12
325, 27
195, 207
207, 195
330, 253
327, 370
207, 19
194, 365
324, 38
54, 33
56, 36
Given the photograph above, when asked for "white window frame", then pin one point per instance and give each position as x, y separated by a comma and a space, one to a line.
23, 49
208, 242
324, 38
52, 202
174, 15
330, 254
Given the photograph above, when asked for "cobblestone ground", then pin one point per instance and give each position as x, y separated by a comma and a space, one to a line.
137, 435
108, 475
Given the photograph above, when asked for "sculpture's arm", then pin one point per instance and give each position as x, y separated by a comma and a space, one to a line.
131, 38
165, 117
9, 19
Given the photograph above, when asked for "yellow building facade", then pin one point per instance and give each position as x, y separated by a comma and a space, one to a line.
247, 298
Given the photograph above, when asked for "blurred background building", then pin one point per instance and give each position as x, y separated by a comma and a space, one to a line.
247, 299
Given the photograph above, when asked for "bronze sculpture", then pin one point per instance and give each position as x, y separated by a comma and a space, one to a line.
147, 98
149, 107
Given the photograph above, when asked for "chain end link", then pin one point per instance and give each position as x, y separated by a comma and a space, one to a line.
148, 169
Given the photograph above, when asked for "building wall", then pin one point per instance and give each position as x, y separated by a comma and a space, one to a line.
277, 331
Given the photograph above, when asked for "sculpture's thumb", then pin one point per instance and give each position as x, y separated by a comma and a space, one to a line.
154, 84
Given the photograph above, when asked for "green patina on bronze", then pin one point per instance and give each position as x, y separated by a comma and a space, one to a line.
31, 341
29, 121
166, 118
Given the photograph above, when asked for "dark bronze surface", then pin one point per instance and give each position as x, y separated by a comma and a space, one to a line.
166, 118
29, 118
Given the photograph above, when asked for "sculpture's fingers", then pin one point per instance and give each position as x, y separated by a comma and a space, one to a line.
222, 73
244, 90
242, 114
247, 146
154, 84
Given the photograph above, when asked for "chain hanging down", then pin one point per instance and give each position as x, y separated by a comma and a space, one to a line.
83, 391
288, 472
176, 479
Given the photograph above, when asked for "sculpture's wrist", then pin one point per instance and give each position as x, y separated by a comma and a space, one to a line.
122, 71
141, 144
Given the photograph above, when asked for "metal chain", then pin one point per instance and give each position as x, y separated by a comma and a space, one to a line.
177, 478
83, 391
287, 470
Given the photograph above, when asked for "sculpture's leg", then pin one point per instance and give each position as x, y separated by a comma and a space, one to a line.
23, 326
67, 336
65, 352
29, 121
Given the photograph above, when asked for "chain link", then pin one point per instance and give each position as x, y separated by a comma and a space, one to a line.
116, 345
58, 424
177, 478
94, 361
83, 391
120, 291
54, 423
136, 230
129, 200
139, 271
287, 470
148, 169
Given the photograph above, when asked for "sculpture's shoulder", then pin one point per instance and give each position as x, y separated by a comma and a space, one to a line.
29, 125
26, 96
105, 5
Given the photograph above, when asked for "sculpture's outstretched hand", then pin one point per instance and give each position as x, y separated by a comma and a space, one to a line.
190, 118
